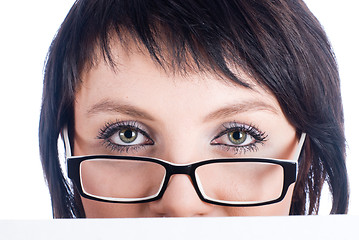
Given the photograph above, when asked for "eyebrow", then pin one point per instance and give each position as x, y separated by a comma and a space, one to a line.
111, 106
107, 105
241, 108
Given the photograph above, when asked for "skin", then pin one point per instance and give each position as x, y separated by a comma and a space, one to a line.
182, 115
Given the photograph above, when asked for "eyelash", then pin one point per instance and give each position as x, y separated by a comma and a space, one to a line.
259, 137
110, 128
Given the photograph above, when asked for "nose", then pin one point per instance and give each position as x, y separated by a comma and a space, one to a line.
181, 200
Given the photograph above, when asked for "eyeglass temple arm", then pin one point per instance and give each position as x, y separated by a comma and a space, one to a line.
300, 145
65, 136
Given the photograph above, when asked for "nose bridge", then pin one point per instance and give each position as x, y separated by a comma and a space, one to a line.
180, 198
182, 142
182, 170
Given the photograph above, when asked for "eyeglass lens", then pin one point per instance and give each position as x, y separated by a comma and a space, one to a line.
241, 181
121, 179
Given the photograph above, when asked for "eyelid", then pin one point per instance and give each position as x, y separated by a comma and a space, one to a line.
248, 128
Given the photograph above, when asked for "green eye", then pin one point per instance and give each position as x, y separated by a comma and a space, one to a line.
128, 135
237, 137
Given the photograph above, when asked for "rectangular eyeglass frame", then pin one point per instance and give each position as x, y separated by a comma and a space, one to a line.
290, 168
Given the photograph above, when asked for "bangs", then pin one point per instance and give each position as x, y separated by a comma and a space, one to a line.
179, 36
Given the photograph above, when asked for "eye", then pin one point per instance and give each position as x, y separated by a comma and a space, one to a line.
128, 136
124, 136
235, 137
239, 137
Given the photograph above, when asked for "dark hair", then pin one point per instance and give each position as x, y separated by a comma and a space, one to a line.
279, 42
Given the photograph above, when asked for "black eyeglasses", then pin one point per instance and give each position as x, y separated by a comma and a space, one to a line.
237, 182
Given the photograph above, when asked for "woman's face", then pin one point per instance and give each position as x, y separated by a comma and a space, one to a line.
140, 110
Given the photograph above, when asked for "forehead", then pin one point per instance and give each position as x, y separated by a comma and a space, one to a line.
137, 78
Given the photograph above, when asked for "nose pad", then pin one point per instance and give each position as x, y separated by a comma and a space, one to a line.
180, 200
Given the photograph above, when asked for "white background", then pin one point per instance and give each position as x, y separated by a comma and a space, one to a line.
26, 31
